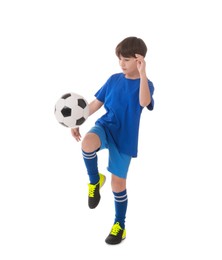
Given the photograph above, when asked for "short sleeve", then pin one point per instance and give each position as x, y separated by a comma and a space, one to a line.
151, 87
101, 93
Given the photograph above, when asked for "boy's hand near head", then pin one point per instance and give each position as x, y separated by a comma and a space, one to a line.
141, 64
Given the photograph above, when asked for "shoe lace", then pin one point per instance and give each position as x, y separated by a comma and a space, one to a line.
91, 190
115, 229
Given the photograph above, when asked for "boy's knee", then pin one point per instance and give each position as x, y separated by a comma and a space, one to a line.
90, 143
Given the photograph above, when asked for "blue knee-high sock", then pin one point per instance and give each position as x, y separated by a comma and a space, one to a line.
90, 160
121, 202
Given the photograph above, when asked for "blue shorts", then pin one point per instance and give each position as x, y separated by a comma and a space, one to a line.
118, 162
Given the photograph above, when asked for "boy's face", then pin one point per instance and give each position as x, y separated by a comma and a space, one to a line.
129, 66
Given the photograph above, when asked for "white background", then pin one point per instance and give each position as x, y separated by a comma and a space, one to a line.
48, 48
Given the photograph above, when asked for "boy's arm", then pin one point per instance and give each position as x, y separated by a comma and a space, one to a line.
145, 97
94, 106
144, 94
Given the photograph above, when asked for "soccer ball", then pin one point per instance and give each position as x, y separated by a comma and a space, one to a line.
71, 110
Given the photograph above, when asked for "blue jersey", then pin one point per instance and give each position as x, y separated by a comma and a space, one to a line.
123, 110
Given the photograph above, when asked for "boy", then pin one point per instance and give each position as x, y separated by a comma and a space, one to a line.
124, 96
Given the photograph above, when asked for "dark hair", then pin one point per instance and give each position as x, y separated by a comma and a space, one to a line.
131, 46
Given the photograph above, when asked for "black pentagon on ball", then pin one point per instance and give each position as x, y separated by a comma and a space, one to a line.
82, 103
65, 96
66, 111
80, 121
